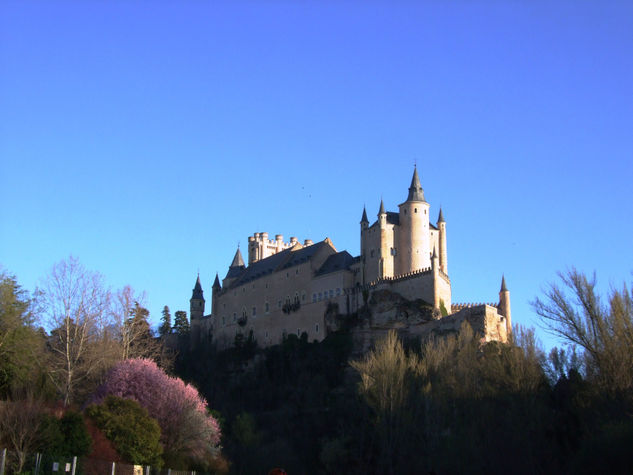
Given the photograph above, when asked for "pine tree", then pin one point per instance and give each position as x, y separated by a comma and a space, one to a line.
181, 324
165, 326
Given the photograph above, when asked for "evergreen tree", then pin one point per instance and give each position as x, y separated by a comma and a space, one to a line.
165, 326
181, 324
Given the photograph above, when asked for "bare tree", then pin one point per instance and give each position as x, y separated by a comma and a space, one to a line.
76, 303
576, 313
135, 336
19, 427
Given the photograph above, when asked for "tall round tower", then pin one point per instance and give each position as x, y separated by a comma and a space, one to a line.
414, 237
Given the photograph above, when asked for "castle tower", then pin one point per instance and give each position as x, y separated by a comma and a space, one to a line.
435, 266
196, 303
504, 306
215, 290
364, 225
441, 225
414, 238
384, 267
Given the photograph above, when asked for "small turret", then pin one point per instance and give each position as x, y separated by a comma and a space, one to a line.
364, 221
235, 269
216, 282
238, 261
504, 305
441, 226
196, 304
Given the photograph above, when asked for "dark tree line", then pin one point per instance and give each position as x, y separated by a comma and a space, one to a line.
451, 405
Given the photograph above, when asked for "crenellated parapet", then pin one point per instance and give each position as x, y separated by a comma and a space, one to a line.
456, 307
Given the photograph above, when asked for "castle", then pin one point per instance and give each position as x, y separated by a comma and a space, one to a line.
289, 287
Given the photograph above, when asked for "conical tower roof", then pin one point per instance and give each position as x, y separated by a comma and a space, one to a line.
416, 193
216, 282
503, 284
197, 291
440, 218
364, 218
382, 208
237, 260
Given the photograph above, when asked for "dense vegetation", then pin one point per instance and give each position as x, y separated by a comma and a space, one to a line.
99, 382
447, 406
97, 343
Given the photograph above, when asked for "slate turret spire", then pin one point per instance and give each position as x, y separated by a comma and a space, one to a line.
237, 260
197, 290
416, 193
364, 218
216, 282
382, 208
440, 218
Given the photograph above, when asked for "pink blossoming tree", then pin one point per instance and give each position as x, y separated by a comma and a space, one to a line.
189, 432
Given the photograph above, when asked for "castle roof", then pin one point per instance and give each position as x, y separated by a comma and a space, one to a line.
416, 193
440, 218
382, 208
339, 261
216, 282
282, 260
503, 284
197, 291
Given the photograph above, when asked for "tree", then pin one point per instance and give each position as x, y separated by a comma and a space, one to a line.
181, 324
134, 434
76, 302
576, 313
21, 345
188, 430
165, 326
19, 427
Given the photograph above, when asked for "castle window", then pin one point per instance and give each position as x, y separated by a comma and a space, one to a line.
254, 311
267, 307
243, 312
338, 292
296, 271
234, 316
316, 328
278, 303
405, 211
320, 296
314, 297
415, 210
331, 293
303, 296
298, 331
223, 321
372, 253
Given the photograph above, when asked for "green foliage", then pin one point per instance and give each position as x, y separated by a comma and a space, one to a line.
443, 310
127, 425
21, 345
181, 324
165, 326
65, 437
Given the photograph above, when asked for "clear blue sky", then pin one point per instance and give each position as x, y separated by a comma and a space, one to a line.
149, 139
